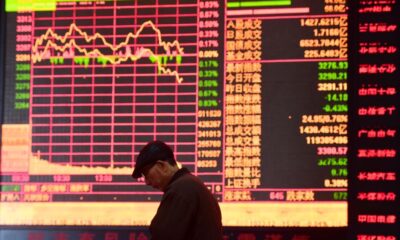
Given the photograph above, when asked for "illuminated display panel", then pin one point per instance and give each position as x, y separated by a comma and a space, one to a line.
374, 182
252, 97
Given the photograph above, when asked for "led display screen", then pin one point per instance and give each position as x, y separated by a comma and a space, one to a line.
251, 96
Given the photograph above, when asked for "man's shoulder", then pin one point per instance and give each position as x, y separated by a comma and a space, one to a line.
188, 183
188, 179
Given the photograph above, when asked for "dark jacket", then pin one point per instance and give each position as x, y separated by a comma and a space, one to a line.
188, 211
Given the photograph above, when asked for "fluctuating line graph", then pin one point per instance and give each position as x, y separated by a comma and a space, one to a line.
106, 79
123, 51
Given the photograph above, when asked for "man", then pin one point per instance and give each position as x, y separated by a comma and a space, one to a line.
188, 210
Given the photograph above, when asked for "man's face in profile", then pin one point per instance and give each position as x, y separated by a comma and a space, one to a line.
153, 175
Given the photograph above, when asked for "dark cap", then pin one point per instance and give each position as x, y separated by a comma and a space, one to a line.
151, 153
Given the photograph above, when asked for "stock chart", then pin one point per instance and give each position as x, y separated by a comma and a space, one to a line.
252, 97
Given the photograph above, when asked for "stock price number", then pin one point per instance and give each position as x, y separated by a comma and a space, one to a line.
326, 53
277, 195
332, 87
335, 183
335, 108
207, 163
339, 195
339, 172
319, 42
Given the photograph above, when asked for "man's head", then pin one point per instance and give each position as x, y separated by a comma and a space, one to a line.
156, 163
